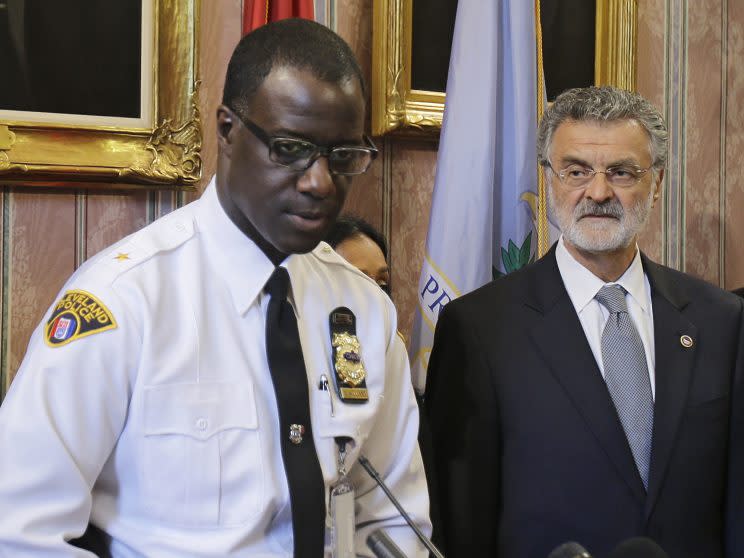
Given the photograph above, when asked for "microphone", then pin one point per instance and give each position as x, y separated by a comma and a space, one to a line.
376, 477
570, 550
383, 546
638, 547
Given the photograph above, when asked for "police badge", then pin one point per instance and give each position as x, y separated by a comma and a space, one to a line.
347, 358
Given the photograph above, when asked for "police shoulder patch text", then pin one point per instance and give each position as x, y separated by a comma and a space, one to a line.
77, 314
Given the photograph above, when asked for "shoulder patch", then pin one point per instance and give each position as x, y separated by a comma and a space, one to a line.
77, 314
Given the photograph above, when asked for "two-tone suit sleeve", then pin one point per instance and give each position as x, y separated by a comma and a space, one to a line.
58, 425
462, 412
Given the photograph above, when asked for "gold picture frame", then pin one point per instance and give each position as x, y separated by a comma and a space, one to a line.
396, 107
164, 151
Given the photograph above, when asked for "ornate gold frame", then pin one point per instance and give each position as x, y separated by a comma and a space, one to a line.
398, 108
616, 43
167, 153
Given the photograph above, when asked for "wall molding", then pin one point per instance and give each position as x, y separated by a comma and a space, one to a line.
675, 96
722, 156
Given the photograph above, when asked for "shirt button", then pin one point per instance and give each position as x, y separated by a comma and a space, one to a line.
201, 424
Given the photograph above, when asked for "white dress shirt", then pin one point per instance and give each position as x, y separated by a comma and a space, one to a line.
582, 285
163, 431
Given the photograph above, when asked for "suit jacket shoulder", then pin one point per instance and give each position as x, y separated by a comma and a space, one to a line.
682, 289
515, 298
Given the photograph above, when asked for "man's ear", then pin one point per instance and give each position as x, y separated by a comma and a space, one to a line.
657, 185
225, 123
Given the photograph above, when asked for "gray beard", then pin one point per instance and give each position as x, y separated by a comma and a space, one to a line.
600, 236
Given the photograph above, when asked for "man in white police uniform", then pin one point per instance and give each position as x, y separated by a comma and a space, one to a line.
144, 420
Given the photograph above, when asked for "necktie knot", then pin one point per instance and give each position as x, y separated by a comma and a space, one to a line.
612, 297
278, 284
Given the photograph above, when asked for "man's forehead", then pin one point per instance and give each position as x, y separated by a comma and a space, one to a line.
622, 136
292, 85
285, 73
622, 125
294, 100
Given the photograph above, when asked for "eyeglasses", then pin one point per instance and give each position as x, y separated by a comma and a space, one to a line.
579, 176
299, 155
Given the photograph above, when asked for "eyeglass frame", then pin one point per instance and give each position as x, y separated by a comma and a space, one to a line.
320, 150
594, 172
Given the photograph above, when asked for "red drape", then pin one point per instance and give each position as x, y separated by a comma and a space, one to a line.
259, 12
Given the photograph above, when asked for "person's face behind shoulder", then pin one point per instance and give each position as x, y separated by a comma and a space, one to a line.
598, 217
282, 210
363, 253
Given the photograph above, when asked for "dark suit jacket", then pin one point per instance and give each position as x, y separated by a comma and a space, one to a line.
528, 449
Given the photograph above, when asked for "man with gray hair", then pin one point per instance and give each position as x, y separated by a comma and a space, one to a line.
595, 395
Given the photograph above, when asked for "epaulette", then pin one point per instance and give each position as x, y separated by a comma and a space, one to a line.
79, 312
324, 252
328, 255
163, 235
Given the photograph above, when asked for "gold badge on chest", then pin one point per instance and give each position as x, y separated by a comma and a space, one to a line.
348, 360
348, 366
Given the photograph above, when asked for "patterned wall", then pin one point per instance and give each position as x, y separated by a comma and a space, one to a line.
689, 64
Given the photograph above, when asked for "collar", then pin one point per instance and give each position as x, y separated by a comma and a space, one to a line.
241, 264
582, 284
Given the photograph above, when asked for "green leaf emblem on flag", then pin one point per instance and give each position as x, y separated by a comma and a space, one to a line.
515, 257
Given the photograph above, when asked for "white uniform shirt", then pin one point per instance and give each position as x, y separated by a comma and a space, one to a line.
582, 285
164, 430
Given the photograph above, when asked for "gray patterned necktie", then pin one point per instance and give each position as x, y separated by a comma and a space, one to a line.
626, 375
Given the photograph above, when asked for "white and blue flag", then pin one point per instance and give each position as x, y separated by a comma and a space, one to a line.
484, 206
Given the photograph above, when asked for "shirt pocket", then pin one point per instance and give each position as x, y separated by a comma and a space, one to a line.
202, 461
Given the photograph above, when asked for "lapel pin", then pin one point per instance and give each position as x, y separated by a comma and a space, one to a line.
686, 341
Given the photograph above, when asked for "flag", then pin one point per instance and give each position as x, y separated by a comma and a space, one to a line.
484, 206
259, 12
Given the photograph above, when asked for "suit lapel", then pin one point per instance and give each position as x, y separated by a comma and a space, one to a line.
673, 370
560, 340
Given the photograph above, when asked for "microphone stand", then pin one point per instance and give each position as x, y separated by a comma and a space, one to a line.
376, 476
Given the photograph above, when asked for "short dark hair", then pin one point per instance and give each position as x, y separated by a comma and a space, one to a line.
350, 226
297, 43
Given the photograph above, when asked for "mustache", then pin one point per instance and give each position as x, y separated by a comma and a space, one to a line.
610, 208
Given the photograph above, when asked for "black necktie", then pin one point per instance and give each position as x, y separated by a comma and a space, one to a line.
304, 477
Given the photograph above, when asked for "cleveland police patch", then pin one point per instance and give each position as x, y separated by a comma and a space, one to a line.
76, 315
